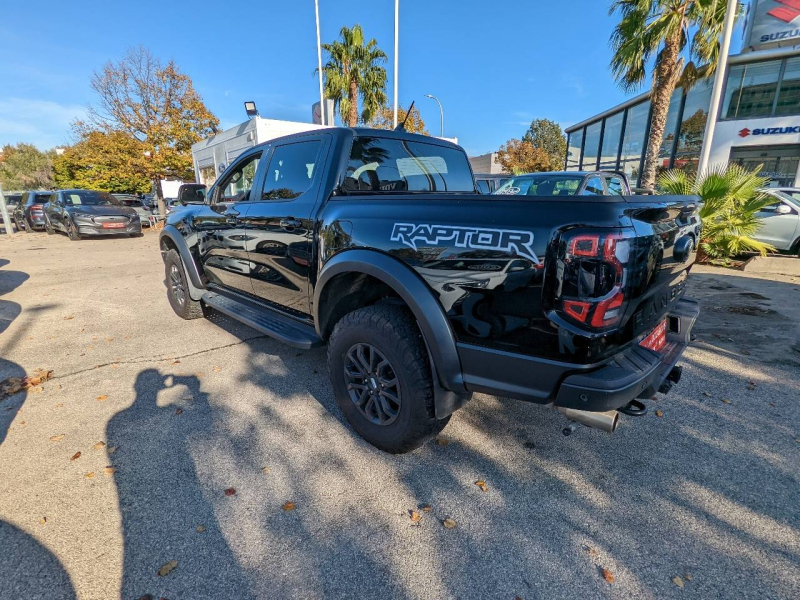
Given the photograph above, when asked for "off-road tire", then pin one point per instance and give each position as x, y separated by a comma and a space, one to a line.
72, 231
185, 308
392, 330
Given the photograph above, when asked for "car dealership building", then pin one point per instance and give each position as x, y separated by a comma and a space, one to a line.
759, 119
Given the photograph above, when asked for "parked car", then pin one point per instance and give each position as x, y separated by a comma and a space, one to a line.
29, 212
80, 213
780, 222
489, 182
12, 200
567, 183
136, 204
378, 244
789, 191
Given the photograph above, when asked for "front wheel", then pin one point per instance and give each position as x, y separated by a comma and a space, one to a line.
382, 378
72, 231
48, 227
178, 288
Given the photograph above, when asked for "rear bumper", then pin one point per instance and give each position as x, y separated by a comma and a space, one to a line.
635, 373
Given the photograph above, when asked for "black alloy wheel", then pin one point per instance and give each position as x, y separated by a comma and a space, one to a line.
72, 231
176, 285
372, 384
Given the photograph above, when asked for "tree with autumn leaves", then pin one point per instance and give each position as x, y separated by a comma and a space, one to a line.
141, 130
542, 148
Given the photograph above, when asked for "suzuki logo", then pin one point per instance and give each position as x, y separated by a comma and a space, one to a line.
786, 13
744, 132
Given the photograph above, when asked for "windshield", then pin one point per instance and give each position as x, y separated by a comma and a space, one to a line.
783, 196
88, 198
546, 184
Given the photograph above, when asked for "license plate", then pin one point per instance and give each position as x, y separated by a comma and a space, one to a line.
113, 225
657, 338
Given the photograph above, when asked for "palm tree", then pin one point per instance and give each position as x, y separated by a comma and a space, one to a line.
354, 69
660, 29
731, 201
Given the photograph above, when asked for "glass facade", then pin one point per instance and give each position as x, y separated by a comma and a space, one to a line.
611, 139
758, 89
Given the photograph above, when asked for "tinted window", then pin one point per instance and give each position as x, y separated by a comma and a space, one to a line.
88, 198
611, 138
483, 186
593, 188
541, 185
615, 187
591, 146
574, 150
634, 142
750, 90
789, 96
670, 130
393, 165
236, 184
291, 170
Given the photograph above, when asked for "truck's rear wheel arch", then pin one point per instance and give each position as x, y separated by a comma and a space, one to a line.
357, 278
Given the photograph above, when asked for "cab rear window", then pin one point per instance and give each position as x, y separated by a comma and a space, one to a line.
391, 165
541, 185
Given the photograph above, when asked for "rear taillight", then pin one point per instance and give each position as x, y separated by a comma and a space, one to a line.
591, 273
37, 208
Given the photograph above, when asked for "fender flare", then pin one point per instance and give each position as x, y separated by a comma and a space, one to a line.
196, 285
433, 322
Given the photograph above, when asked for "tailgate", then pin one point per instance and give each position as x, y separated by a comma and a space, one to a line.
667, 230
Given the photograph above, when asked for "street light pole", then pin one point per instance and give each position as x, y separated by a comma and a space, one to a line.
441, 114
719, 81
396, 46
319, 68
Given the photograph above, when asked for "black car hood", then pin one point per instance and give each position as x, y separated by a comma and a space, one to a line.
107, 210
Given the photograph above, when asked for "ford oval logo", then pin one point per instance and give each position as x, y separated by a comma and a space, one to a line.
683, 248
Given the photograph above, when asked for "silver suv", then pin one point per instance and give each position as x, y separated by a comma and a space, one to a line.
780, 222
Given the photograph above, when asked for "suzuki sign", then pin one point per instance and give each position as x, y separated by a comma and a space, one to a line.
773, 22
769, 131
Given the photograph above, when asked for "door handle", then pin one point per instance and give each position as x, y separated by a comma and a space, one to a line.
290, 223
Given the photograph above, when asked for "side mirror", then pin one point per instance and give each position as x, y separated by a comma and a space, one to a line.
783, 210
192, 193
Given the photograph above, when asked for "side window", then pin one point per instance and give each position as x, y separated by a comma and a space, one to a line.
771, 208
291, 170
483, 186
593, 188
615, 186
236, 184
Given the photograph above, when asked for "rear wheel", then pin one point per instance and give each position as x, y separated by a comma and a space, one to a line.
382, 379
28, 226
178, 288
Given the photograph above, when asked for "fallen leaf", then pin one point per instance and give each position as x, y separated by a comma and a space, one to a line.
707, 394
178, 411
751, 387
688, 577
58, 405
102, 398
607, 575
114, 366
167, 568
449, 523
200, 528
112, 449
43, 520
415, 516
69, 318
176, 362
89, 475
746, 352
36, 390
99, 445
591, 550
109, 339
427, 508
659, 413
677, 581
200, 375
482, 484
265, 470
82, 330
56, 438
76, 456
109, 470
442, 441
230, 492
726, 401
287, 506
773, 405
216, 369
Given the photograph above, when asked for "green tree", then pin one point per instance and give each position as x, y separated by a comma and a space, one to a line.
659, 30
156, 105
731, 203
354, 71
384, 119
548, 136
25, 167
109, 162
521, 156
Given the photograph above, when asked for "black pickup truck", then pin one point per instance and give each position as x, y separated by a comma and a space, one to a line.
567, 293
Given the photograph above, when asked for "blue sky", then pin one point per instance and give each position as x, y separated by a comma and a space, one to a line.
494, 65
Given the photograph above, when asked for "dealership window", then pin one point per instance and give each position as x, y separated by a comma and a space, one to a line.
693, 126
633, 143
789, 94
591, 146
611, 136
751, 90
670, 131
574, 150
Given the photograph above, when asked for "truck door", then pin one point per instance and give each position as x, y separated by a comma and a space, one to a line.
220, 225
279, 223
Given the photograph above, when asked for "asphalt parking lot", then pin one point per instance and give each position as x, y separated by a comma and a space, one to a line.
696, 500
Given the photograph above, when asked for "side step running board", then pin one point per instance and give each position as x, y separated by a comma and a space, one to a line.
269, 322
